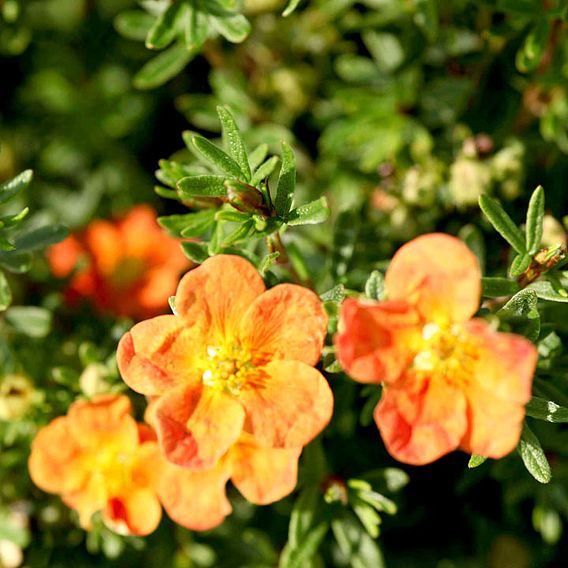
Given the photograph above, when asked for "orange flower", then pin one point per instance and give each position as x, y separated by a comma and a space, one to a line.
99, 459
128, 267
235, 358
448, 380
197, 499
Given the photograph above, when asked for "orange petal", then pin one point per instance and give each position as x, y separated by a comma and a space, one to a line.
287, 404
421, 419
286, 322
219, 292
197, 425
196, 499
106, 245
500, 388
158, 354
138, 513
54, 462
64, 256
264, 475
103, 417
375, 340
439, 275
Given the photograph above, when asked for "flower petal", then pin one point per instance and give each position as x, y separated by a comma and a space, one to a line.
264, 475
196, 425
64, 256
106, 417
54, 462
439, 275
375, 340
158, 354
219, 291
421, 419
501, 387
287, 404
196, 499
137, 513
286, 322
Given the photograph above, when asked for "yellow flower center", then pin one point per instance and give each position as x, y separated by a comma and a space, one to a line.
111, 469
446, 352
227, 367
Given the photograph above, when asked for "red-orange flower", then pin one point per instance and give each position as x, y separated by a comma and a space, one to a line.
127, 267
234, 359
99, 459
448, 380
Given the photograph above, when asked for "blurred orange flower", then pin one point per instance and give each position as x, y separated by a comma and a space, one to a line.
448, 380
234, 358
99, 459
127, 267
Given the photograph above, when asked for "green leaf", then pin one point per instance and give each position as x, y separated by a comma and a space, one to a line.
523, 305
234, 141
292, 5
40, 238
133, 24
196, 28
202, 186
240, 233
11, 187
336, 294
357, 547
520, 264
286, 182
5, 292
530, 54
502, 223
164, 31
535, 219
494, 287
303, 515
475, 461
29, 320
546, 291
217, 157
197, 252
375, 286
13, 220
310, 214
163, 67
16, 261
231, 216
543, 409
189, 225
533, 456
264, 170
235, 28
300, 556
257, 156
473, 238
267, 262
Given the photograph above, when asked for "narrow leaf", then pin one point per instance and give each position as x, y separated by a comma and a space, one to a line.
163, 32
216, 156
375, 285
300, 556
264, 170
257, 156
12, 187
202, 186
133, 24
5, 292
197, 252
545, 291
543, 409
310, 214
292, 5
163, 67
234, 28
535, 219
286, 182
41, 238
502, 223
520, 264
475, 461
189, 225
533, 456
234, 141
29, 320
496, 287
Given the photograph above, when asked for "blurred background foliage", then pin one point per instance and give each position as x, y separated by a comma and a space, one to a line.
402, 113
